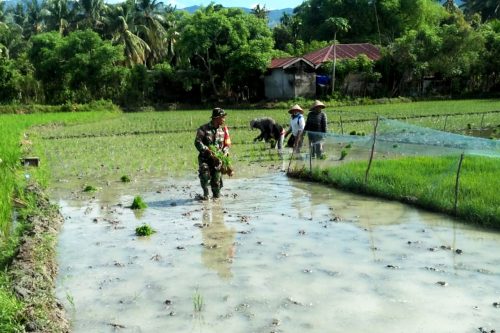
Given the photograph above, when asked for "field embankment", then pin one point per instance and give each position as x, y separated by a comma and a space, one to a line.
427, 182
27, 272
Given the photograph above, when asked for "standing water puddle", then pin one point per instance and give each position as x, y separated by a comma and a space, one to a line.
273, 255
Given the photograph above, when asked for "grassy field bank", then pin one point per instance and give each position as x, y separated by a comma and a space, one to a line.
428, 182
13, 180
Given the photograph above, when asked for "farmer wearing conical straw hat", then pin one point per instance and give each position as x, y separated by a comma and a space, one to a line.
212, 139
315, 126
297, 125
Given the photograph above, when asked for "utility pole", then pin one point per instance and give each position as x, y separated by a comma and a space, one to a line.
334, 60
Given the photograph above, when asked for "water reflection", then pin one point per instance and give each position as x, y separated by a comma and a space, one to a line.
218, 240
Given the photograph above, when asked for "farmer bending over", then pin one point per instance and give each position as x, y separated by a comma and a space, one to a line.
213, 135
270, 131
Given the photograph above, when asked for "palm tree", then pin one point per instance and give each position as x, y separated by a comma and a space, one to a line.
59, 14
120, 27
173, 34
33, 23
150, 19
260, 11
489, 9
90, 14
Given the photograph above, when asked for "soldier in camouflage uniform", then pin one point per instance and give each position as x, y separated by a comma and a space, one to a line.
211, 134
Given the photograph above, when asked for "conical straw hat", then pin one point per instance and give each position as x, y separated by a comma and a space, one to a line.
317, 104
296, 107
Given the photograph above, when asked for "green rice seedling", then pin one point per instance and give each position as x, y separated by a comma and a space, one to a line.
144, 230
348, 146
89, 188
198, 302
125, 179
138, 203
343, 154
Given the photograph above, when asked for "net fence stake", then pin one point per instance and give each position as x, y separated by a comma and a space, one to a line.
295, 144
341, 126
482, 119
310, 157
371, 153
445, 121
457, 182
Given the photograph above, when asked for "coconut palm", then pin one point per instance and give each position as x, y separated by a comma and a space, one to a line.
90, 14
173, 34
59, 14
120, 27
150, 20
260, 11
33, 22
489, 9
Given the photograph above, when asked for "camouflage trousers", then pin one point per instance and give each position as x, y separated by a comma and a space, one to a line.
209, 175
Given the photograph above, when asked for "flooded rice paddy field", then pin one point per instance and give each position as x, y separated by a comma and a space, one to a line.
272, 255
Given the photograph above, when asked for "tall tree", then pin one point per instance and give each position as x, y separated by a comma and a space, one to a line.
489, 9
150, 18
34, 22
225, 46
90, 14
59, 14
121, 29
260, 12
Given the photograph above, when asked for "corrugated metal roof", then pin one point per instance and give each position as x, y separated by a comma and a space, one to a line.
286, 62
344, 51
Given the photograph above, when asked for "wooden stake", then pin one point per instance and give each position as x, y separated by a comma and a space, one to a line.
445, 121
341, 126
482, 119
457, 182
371, 153
311, 149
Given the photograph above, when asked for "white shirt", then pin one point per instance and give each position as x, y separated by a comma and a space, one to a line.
297, 125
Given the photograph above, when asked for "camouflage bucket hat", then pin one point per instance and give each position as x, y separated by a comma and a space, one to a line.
218, 112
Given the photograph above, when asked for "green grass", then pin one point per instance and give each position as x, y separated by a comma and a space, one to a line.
10, 309
12, 179
12, 128
425, 181
180, 121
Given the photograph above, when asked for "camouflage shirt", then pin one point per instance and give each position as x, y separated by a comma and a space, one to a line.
207, 135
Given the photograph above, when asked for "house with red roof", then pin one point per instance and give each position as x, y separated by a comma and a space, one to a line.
288, 78
292, 77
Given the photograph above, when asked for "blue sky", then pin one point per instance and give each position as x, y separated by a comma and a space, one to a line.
270, 4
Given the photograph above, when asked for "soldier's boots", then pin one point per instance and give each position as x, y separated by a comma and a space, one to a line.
205, 193
216, 192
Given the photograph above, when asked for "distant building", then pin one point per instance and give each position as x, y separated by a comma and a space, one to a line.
342, 51
289, 78
292, 77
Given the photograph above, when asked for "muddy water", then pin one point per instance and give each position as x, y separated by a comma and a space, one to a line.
273, 255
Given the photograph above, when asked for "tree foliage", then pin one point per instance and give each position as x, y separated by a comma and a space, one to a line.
141, 51
224, 45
